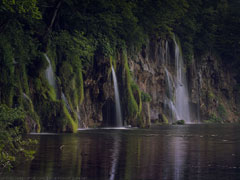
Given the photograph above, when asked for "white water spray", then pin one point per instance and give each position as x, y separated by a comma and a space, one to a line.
119, 122
181, 91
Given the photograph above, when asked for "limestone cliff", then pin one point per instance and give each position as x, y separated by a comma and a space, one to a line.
211, 86
148, 83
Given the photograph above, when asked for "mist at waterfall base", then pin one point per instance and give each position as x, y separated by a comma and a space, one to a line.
118, 117
189, 152
177, 96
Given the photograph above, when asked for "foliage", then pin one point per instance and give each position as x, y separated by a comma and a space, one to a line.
211, 95
222, 112
165, 120
211, 26
213, 119
134, 95
23, 7
12, 144
145, 97
132, 103
75, 47
180, 122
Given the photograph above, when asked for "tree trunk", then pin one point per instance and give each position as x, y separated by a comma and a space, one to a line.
49, 28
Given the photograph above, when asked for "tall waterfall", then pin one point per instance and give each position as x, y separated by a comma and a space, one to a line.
49, 73
119, 122
176, 100
181, 90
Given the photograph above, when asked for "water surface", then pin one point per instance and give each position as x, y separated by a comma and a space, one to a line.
167, 152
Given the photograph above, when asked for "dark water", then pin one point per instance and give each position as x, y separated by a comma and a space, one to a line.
168, 152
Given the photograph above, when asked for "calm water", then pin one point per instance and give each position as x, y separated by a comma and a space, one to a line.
168, 152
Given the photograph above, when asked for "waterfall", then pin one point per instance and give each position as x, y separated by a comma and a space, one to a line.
169, 98
170, 87
79, 118
181, 90
27, 97
51, 80
49, 73
176, 100
119, 122
63, 97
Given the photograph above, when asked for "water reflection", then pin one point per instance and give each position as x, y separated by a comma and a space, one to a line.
178, 149
115, 155
169, 152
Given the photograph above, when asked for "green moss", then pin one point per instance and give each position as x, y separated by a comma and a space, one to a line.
27, 104
140, 122
24, 80
66, 72
81, 95
37, 84
6, 71
211, 96
222, 112
164, 118
71, 125
213, 118
132, 104
137, 95
51, 93
146, 97
134, 96
113, 63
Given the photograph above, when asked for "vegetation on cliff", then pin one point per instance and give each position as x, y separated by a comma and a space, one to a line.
13, 147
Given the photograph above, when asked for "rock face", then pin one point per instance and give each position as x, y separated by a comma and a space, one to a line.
211, 88
98, 102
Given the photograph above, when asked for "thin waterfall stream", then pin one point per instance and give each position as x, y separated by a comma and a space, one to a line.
49, 73
51, 80
119, 121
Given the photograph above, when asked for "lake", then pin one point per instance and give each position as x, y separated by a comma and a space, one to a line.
168, 152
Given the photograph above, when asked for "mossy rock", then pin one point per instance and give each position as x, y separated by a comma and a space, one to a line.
163, 119
179, 122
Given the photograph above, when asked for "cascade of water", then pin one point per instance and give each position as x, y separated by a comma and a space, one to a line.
200, 79
181, 91
199, 95
169, 84
63, 97
119, 122
26, 97
49, 73
79, 118
167, 53
170, 96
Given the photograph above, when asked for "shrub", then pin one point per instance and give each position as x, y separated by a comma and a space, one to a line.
12, 145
